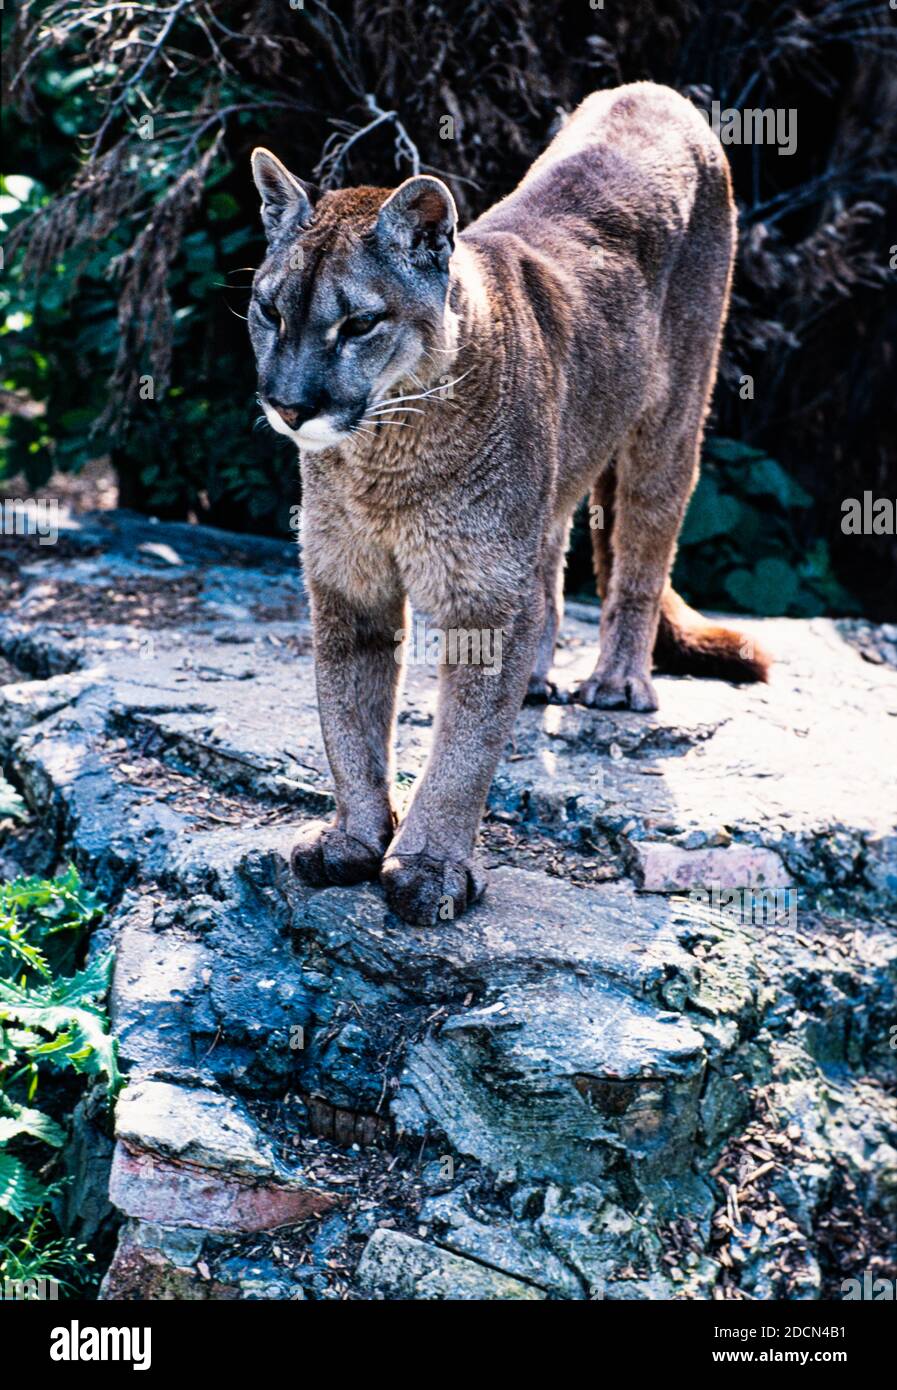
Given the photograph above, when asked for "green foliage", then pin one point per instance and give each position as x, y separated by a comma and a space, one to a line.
191, 447
745, 544
82, 325
33, 1251
52, 1021
11, 804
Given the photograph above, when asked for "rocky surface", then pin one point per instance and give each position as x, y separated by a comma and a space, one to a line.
658, 1060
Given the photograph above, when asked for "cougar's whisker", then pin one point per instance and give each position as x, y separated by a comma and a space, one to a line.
399, 424
432, 393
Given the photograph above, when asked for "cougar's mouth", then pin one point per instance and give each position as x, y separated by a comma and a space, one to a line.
319, 433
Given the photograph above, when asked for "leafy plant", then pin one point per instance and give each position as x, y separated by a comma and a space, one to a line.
747, 543
744, 544
34, 1252
51, 1021
11, 804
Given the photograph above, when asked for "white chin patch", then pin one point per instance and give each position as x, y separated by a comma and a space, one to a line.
313, 435
318, 434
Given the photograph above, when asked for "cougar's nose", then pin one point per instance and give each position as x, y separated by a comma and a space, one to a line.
298, 412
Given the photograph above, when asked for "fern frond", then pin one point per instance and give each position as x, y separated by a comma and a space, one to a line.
20, 1192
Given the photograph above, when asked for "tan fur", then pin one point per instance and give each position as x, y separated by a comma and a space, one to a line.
582, 316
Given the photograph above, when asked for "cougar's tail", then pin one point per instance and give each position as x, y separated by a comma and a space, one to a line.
690, 645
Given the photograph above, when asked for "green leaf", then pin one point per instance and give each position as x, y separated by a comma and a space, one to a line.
32, 1122
222, 206
767, 478
710, 513
20, 1193
60, 904
88, 984
237, 240
78, 1038
7, 1048
731, 450
67, 1010
14, 940
769, 588
11, 804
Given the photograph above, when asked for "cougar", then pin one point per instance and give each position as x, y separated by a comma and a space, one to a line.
453, 398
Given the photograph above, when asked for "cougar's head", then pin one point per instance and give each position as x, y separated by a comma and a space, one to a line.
349, 298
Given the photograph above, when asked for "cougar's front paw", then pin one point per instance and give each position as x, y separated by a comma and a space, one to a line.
618, 692
323, 854
424, 890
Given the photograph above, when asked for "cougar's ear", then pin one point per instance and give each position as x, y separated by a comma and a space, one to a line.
419, 221
285, 199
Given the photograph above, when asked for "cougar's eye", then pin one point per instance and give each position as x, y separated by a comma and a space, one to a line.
360, 324
270, 313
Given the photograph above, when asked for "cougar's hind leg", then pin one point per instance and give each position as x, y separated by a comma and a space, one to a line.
601, 525
541, 690
655, 471
657, 466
